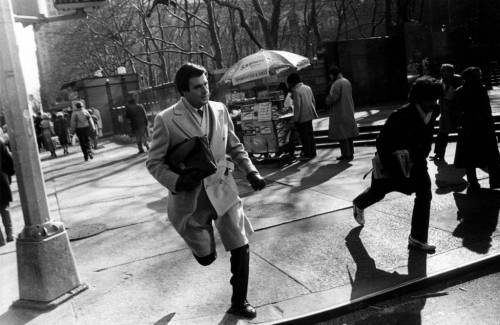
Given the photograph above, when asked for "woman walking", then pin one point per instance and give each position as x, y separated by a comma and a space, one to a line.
82, 125
477, 145
47, 129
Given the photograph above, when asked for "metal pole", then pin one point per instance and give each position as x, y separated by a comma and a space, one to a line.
46, 267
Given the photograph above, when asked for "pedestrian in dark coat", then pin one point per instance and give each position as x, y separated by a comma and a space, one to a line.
61, 128
477, 144
6, 172
138, 123
448, 120
407, 133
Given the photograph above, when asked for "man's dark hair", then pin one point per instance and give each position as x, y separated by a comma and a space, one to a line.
334, 70
293, 79
78, 105
425, 88
186, 72
471, 75
131, 100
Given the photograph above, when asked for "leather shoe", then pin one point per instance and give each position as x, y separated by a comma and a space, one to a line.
359, 215
245, 310
414, 243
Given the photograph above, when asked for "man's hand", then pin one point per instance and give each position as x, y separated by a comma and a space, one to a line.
257, 182
188, 182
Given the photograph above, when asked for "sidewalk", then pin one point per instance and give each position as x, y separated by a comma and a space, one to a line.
307, 254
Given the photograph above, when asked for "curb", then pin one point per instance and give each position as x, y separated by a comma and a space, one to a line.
413, 285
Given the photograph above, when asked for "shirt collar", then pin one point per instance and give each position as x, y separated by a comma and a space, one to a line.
426, 117
191, 107
297, 85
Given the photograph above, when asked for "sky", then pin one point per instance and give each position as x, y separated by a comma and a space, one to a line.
27, 53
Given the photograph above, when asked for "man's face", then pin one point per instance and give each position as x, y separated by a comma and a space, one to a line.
198, 93
447, 74
428, 105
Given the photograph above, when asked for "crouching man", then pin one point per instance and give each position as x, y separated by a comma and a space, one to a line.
402, 147
195, 204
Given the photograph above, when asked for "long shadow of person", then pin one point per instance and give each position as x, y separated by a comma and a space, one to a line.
478, 218
448, 178
368, 279
321, 175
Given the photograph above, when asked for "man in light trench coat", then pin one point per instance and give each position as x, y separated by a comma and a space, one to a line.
342, 125
194, 203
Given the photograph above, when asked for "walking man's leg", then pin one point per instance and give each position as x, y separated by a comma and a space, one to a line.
421, 213
139, 138
372, 195
440, 146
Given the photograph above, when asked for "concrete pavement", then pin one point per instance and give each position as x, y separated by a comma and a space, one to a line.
307, 254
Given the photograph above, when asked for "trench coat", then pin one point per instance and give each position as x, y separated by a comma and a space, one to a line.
477, 144
342, 123
174, 125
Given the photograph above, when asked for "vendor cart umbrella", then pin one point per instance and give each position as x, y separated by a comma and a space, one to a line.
263, 64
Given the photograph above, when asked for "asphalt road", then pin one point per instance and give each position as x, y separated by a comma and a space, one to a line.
469, 300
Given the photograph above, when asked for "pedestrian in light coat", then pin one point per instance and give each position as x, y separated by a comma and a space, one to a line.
477, 145
304, 111
83, 125
47, 129
194, 204
342, 126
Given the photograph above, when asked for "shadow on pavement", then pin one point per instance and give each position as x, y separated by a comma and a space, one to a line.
231, 320
159, 206
369, 279
19, 316
321, 175
448, 178
478, 217
165, 320
135, 158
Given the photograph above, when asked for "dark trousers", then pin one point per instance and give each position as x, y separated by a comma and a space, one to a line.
83, 137
421, 185
305, 130
141, 139
441, 143
347, 147
240, 264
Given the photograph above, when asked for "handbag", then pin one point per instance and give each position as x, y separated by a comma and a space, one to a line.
192, 154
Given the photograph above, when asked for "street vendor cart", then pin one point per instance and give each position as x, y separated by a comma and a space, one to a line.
259, 115
263, 124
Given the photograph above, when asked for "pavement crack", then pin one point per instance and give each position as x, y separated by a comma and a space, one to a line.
138, 260
283, 272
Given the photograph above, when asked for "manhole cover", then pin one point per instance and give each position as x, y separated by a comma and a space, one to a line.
84, 231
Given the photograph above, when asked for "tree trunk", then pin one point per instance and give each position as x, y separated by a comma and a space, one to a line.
213, 34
